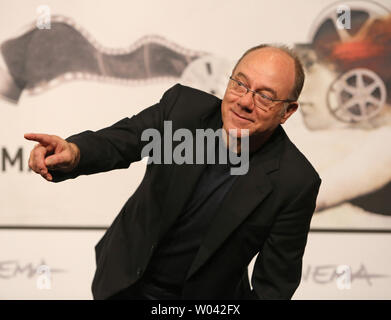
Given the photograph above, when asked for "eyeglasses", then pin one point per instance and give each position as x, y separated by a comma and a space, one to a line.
261, 100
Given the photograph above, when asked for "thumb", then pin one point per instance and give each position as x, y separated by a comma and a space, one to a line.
54, 160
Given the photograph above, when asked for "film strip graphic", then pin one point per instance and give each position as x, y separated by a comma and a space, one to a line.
38, 60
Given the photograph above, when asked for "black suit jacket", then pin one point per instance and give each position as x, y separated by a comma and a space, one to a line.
267, 211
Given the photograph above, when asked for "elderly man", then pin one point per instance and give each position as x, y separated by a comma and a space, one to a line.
190, 230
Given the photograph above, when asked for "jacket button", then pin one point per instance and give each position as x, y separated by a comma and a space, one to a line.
152, 247
138, 272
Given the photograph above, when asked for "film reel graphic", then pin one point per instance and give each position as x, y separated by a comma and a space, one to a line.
208, 73
358, 94
363, 14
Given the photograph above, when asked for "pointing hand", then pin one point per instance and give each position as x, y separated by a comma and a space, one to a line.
52, 153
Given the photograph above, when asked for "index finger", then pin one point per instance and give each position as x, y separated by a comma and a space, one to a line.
44, 139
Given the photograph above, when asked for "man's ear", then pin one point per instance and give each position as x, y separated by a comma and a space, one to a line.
290, 109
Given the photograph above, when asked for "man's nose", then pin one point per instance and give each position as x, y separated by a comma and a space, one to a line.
246, 101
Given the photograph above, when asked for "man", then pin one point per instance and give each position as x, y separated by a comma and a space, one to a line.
189, 231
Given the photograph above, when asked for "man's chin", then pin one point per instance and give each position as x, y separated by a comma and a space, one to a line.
236, 132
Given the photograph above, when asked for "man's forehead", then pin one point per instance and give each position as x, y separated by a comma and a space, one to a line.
269, 56
269, 64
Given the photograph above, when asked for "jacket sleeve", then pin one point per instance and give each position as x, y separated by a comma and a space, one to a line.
278, 267
119, 145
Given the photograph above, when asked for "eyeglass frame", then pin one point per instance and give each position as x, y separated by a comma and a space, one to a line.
260, 94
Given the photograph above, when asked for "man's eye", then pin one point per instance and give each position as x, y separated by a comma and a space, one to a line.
264, 96
241, 84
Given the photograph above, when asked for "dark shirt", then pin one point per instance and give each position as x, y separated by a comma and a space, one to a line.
167, 270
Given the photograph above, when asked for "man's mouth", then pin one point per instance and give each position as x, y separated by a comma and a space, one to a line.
241, 118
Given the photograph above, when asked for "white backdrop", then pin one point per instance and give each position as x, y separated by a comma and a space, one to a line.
69, 255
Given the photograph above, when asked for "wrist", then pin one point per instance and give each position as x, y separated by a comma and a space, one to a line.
76, 155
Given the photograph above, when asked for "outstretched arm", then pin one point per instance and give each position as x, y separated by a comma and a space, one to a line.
107, 149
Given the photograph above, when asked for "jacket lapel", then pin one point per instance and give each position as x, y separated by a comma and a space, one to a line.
185, 177
246, 194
